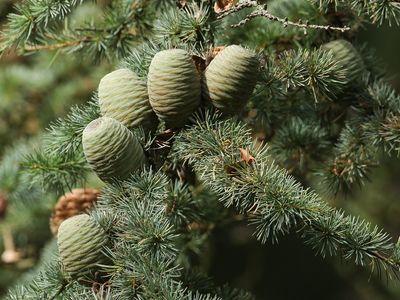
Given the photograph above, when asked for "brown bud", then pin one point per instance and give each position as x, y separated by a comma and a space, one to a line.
221, 5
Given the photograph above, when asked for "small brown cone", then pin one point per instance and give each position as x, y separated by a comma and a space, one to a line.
221, 5
71, 204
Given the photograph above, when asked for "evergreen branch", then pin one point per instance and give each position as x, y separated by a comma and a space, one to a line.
353, 159
48, 284
64, 136
385, 133
379, 11
379, 116
145, 248
271, 198
315, 70
181, 207
382, 98
117, 35
261, 11
298, 142
120, 28
196, 280
374, 126
55, 172
30, 17
191, 27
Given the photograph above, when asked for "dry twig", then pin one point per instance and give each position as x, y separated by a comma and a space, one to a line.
261, 11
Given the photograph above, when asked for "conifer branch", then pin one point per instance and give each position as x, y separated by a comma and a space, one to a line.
315, 70
56, 173
117, 31
374, 127
378, 11
30, 17
190, 26
34, 48
64, 136
145, 252
273, 201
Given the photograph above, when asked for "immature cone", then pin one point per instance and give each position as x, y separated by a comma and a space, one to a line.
348, 57
230, 78
80, 244
111, 149
123, 97
174, 86
71, 204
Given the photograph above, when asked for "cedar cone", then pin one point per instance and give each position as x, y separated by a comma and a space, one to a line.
72, 204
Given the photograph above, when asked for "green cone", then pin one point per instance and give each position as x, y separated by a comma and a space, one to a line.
173, 86
123, 97
348, 57
230, 78
80, 243
111, 149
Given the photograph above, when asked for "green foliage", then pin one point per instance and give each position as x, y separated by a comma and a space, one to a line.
143, 250
190, 26
274, 202
160, 221
56, 172
315, 70
32, 15
296, 143
36, 26
64, 136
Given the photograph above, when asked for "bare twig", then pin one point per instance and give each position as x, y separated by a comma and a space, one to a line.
241, 5
261, 11
52, 46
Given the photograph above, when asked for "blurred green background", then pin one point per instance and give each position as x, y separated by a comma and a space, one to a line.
35, 90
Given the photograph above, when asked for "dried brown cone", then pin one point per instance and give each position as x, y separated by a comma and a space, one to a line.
221, 5
71, 204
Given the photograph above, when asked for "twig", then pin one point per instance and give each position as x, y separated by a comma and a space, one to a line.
262, 12
52, 46
241, 5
